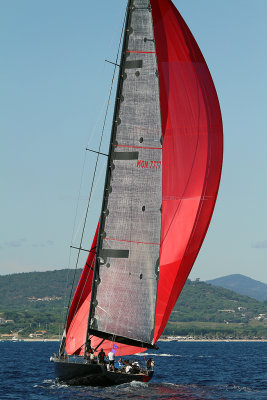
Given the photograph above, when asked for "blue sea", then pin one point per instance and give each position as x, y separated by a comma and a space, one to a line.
183, 370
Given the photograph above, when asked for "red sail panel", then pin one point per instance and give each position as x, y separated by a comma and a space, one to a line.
85, 282
118, 349
192, 152
75, 331
79, 311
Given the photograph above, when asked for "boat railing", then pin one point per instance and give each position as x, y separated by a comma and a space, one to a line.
67, 359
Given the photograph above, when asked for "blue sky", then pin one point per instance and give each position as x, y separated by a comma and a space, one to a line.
54, 83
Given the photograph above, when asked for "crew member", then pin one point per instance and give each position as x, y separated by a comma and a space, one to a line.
101, 357
111, 360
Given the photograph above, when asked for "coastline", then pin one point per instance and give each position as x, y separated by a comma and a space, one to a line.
169, 339
210, 340
28, 340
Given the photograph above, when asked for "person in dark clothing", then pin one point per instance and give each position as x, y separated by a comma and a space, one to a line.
135, 366
101, 357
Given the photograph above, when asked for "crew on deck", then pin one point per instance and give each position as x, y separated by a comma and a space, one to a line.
122, 366
111, 360
101, 357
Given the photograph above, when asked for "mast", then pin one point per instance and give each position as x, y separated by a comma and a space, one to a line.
127, 255
108, 171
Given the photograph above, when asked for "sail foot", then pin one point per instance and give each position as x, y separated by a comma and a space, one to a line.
121, 339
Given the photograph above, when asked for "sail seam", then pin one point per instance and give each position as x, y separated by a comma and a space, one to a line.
131, 241
141, 52
138, 147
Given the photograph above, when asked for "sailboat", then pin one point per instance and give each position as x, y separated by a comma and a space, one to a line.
162, 179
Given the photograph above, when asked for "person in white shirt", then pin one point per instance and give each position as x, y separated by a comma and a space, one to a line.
136, 366
111, 360
128, 369
135, 363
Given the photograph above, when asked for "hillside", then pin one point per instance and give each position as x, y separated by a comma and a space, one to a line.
243, 285
203, 310
24, 289
200, 301
34, 302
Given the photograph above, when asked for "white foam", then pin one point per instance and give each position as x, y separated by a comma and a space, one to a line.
158, 355
138, 384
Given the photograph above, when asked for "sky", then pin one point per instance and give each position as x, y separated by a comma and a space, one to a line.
54, 84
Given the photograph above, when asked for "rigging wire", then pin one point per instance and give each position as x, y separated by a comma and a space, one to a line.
92, 135
100, 175
76, 213
95, 168
75, 233
111, 44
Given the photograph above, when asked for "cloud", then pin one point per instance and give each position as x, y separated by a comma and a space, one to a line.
43, 244
22, 242
15, 243
260, 245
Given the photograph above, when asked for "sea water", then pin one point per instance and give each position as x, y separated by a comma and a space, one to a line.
183, 370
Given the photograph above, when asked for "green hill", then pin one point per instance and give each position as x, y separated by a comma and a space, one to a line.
37, 301
243, 285
17, 289
200, 301
204, 310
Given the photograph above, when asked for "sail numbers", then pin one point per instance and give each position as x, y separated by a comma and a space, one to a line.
148, 164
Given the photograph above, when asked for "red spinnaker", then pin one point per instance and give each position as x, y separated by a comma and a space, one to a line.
192, 152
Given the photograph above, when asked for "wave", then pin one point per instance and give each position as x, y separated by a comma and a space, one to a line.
158, 355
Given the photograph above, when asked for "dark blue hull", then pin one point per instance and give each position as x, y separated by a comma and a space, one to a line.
83, 374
